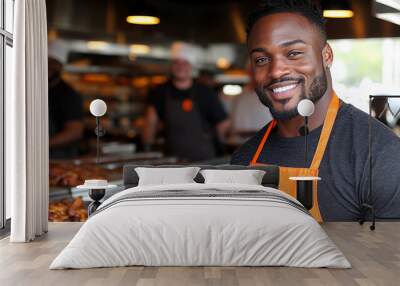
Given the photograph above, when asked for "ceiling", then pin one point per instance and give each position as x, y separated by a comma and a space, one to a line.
199, 21
215, 26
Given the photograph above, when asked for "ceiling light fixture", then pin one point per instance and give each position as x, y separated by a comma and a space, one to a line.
337, 9
141, 13
143, 20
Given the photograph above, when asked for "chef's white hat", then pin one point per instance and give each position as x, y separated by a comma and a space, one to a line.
185, 51
58, 50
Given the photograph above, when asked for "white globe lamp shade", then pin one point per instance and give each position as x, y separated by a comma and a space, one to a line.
98, 107
305, 107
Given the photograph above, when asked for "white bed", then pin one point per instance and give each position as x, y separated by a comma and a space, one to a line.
185, 230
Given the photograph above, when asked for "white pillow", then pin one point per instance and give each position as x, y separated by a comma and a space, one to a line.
164, 176
248, 177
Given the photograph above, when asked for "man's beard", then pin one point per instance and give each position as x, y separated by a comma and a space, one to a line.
317, 90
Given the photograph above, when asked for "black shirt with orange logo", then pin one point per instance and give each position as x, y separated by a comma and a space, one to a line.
210, 106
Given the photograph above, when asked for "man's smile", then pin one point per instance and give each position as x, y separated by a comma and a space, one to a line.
283, 90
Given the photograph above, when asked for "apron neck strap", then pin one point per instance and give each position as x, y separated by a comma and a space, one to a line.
323, 140
326, 131
271, 126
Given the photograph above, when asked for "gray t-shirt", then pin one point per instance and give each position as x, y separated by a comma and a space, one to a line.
345, 166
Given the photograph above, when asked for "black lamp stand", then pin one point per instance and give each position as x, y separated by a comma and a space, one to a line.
304, 193
305, 139
304, 190
96, 194
100, 132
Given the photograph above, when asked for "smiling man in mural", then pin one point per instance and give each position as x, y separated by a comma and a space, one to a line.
291, 61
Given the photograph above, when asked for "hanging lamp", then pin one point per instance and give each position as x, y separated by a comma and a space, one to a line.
337, 9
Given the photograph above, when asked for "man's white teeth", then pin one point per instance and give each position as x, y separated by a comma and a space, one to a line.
284, 88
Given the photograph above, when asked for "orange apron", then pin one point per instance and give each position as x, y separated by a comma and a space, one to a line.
289, 186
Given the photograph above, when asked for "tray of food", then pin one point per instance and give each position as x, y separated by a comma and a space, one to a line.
68, 210
71, 175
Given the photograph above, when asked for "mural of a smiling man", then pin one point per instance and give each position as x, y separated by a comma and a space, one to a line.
291, 61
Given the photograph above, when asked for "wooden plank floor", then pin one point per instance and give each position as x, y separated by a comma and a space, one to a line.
375, 257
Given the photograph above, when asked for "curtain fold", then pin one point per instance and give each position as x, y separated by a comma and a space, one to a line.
27, 124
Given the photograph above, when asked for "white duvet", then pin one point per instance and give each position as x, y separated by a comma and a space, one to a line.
200, 231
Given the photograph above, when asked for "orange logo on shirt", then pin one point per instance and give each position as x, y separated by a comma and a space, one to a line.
187, 105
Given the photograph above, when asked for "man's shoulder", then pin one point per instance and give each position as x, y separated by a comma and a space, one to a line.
355, 112
357, 125
360, 121
244, 154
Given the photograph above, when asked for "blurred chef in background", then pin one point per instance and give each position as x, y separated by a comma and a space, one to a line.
65, 107
193, 118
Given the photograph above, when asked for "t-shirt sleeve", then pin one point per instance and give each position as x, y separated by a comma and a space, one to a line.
156, 99
385, 195
213, 106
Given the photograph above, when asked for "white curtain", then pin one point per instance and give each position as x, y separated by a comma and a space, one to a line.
27, 124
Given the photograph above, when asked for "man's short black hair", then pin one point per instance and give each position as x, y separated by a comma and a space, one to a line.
307, 8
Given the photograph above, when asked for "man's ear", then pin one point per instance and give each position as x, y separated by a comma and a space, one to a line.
327, 56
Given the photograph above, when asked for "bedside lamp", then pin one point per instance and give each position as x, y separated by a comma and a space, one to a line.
98, 108
97, 187
304, 191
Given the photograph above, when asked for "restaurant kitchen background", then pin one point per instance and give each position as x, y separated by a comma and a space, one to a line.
106, 56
